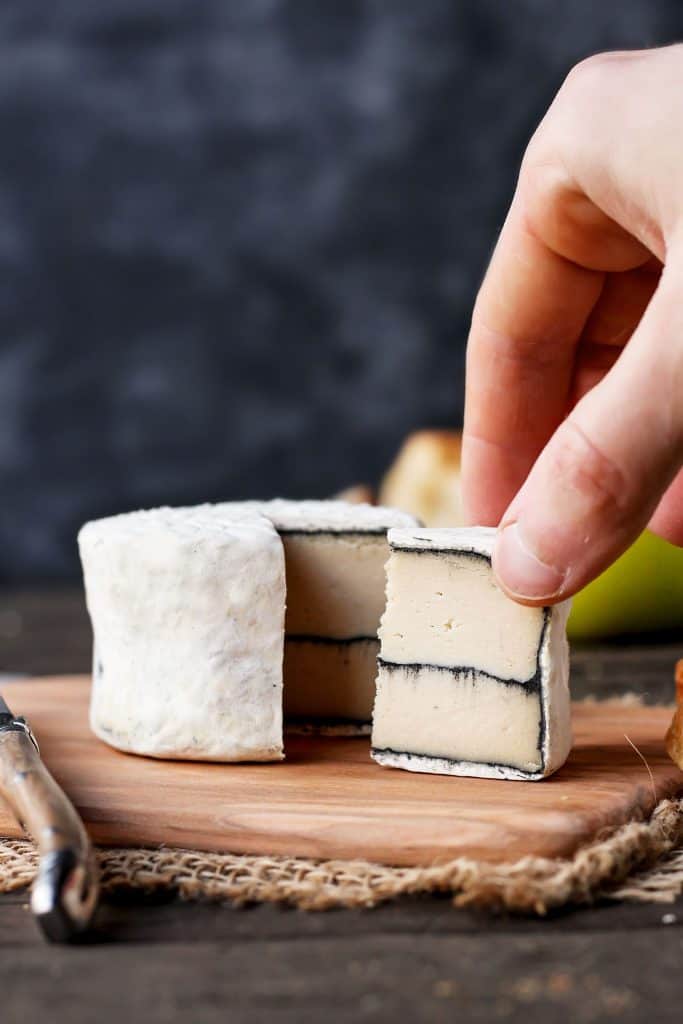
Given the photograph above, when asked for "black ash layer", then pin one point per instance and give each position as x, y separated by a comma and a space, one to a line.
454, 760
380, 531
305, 638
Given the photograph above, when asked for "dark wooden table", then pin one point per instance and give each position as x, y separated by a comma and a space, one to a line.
421, 960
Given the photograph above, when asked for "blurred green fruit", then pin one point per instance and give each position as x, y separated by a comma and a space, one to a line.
642, 591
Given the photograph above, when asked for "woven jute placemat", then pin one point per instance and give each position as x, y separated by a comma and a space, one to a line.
637, 861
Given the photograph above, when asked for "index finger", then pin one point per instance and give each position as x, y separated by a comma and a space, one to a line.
528, 318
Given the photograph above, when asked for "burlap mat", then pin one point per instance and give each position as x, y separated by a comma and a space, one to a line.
636, 861
639, 861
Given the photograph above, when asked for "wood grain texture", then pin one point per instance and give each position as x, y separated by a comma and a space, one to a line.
418, 977
330, 800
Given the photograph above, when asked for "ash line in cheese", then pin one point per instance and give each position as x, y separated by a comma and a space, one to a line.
440, 551
529, 686
313, 638
418, 762
327, 726
290, 532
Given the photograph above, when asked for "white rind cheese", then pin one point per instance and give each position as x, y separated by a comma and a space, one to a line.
331, 517
188, 614
187, 608
469, 681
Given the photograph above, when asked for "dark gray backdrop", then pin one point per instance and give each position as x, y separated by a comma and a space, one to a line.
240, 239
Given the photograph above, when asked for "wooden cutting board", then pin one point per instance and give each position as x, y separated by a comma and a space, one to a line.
329, 800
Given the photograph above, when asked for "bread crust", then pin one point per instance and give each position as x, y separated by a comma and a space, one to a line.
674, 737
424, 479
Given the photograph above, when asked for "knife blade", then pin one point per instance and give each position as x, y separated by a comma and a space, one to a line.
65, 891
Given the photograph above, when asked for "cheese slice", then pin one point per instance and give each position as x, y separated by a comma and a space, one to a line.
335, 554
469, 681
187, 608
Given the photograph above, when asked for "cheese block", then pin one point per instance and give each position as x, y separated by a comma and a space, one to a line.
188, 614
335, 554
187, 608
469, 681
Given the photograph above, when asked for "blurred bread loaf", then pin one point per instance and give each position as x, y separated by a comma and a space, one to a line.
425, 478
356, 494
674, 737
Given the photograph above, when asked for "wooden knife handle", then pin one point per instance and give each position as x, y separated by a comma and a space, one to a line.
65, 890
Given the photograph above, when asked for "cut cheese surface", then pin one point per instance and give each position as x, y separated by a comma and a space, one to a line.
187, 613
335, 553
469, 681
335, 584
330, 682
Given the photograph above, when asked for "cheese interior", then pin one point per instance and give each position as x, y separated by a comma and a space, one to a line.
329, 681
457, 715
444, 608
335, 592
335, 583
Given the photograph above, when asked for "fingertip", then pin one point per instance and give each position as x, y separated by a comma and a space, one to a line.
521, 573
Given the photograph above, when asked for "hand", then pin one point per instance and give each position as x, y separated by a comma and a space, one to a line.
573, 436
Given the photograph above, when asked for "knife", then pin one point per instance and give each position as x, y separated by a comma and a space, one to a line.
64, 893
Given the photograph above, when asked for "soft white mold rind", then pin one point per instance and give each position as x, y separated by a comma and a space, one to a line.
145, 562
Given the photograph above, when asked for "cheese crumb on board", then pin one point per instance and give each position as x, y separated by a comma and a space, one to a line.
469, 681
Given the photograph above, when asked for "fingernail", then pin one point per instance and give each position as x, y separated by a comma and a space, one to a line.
522, 572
